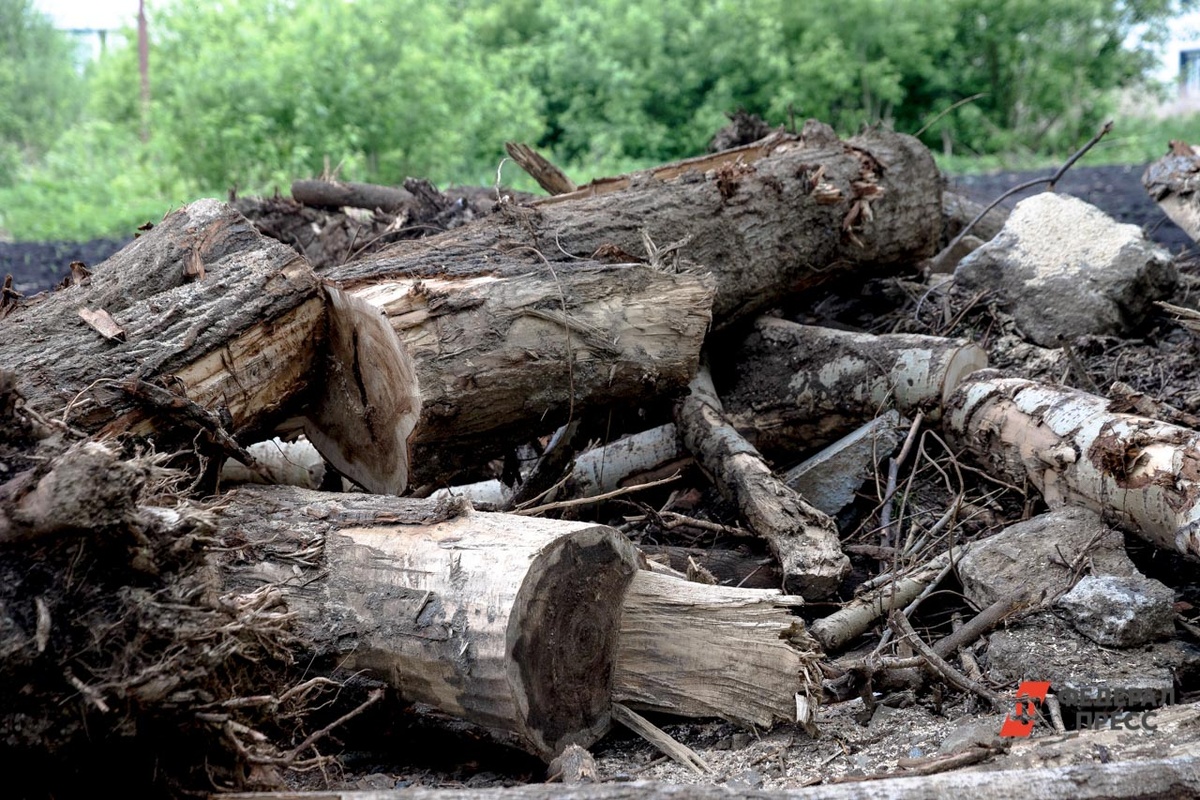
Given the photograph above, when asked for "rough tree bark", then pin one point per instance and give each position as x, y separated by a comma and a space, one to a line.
1140, 473
800, 387
764, 224
210, 308
1174, 183
804, 540
508, 622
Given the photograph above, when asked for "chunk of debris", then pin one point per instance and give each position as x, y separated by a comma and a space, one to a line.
1063, 268
1120, 611
830, 478
1040, 554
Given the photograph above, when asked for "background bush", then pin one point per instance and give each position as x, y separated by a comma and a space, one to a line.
250, 94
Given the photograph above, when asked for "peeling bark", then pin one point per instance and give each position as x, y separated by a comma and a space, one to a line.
800, 387
804, 540
1140, 473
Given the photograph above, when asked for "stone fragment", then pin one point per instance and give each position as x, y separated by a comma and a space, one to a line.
829, 479
1036, 555
1063, 268
1120, 611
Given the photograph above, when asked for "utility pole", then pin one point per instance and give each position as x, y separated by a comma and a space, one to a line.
144, 68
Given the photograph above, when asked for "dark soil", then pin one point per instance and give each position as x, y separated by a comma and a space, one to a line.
38, 266
1115, 190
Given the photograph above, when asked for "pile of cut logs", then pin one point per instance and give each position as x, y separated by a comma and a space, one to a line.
468, 370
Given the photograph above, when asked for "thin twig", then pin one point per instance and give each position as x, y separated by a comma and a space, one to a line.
375, 696
947, 110
1050, 184
885, 515
583, 501
903, 629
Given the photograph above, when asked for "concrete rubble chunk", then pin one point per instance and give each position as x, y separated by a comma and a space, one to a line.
1063, 268
1030, 555
1120, 611
830, 478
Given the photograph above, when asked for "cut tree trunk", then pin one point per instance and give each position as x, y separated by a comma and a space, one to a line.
506, 356
804, 540
1139, 473
485, 308
528, 627
211, 309
800, 387
508, 622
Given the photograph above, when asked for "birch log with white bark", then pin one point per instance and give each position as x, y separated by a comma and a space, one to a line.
1139, 473
800, 387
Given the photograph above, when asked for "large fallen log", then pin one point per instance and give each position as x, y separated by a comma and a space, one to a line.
202, 324
1140, 473
504, 356
507, 622
531, 291
208, 308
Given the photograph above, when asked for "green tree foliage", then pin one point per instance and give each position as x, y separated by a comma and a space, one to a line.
631, 80
40, 90
257, 92
254, 93
1045, 68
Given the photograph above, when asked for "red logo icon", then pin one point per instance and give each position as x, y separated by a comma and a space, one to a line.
1019, 722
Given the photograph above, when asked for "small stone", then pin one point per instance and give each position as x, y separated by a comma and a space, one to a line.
1118, 611
972, 733
750, 779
